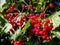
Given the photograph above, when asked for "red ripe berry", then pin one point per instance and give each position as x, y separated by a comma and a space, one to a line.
27, 15
51, 5
12, 5
45, 32
8, 10
33, 22
44, 29
30, 6
44, 37
45, 24
5, 16
42, 14
15, 14
10, 18
48, 38
50, 27
37, 25
47, 20
8, 15
31, 14
33, 17
22, 18
23, 6
36, 34
41, 33
37, 15
39, 21
18, 42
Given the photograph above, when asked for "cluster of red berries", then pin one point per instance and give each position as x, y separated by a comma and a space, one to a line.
24, 6
39, 27
19, 42
11, 8
12, 20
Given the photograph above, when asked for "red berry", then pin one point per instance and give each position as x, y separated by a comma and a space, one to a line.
8, 15
41, 32
30, 15
37, 25
10, 18
44, 37
12, 5
33, 17
27, 15
45, 24
50, 27
36, 34
45, 32
8, 10
51, 5
37, 15
22, 18
39, 21
30, 6
5, 16
47, 20
33, 22
15, 14
23, 6
42, 14
48, 38
44, 29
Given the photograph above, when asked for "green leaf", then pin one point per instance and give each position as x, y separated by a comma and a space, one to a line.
2, 20
25, 27
57, 34
55, 19
2, 2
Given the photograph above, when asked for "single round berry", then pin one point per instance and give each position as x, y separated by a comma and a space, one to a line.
51, 5
50, 27
30, 6
37, 15
48, 38
47, 20
10, 18
41, 33
44, 37
23, 6
45, 24
15, 14
44, 29
8, 10
12, 5
42, 14
36, 34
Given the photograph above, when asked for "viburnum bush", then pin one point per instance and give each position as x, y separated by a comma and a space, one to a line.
30, 22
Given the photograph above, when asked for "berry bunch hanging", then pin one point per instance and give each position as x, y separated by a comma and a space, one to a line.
39, 25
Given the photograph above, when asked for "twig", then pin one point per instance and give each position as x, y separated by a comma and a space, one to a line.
25, 2
17, 10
